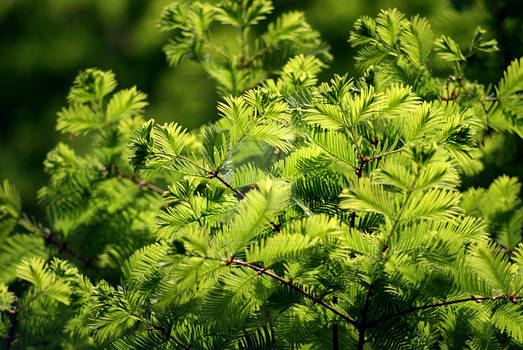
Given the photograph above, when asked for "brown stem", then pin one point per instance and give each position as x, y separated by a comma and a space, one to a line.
352, 217
136, 180
335, 341
11, 333
359, 169
361, 337
48, 236
364, 312
264, 271
514, 299
142, 183
214, 174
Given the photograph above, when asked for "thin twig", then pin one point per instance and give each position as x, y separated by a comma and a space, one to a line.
214, 174
352, 217
486, 110
133, 178
364, 312
142, 183
48, 236
514, 299
264, 271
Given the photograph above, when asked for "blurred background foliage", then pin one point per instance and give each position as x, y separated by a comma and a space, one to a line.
44, 43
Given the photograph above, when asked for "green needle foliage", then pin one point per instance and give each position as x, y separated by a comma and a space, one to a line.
309, 216
257, 52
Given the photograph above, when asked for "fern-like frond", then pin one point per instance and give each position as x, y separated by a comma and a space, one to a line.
365, 196
282, 247
289, 26
125, 103
512, 81
400, 101
363, 31
247, 175
335, 144
44, 279
433, 204
257, 210
248, 123
417, 40
15, 249
7, 298
144, 263
448, 49
238, 14
91, 85
79, 119
509, 319
389, 26
489, 262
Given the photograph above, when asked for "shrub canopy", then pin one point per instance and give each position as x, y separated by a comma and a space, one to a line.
310, 215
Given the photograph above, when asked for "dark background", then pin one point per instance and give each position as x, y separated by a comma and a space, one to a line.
44, 43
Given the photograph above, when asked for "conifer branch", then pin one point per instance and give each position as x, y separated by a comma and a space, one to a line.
514, 299
354, 125
48, 236
264, 271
